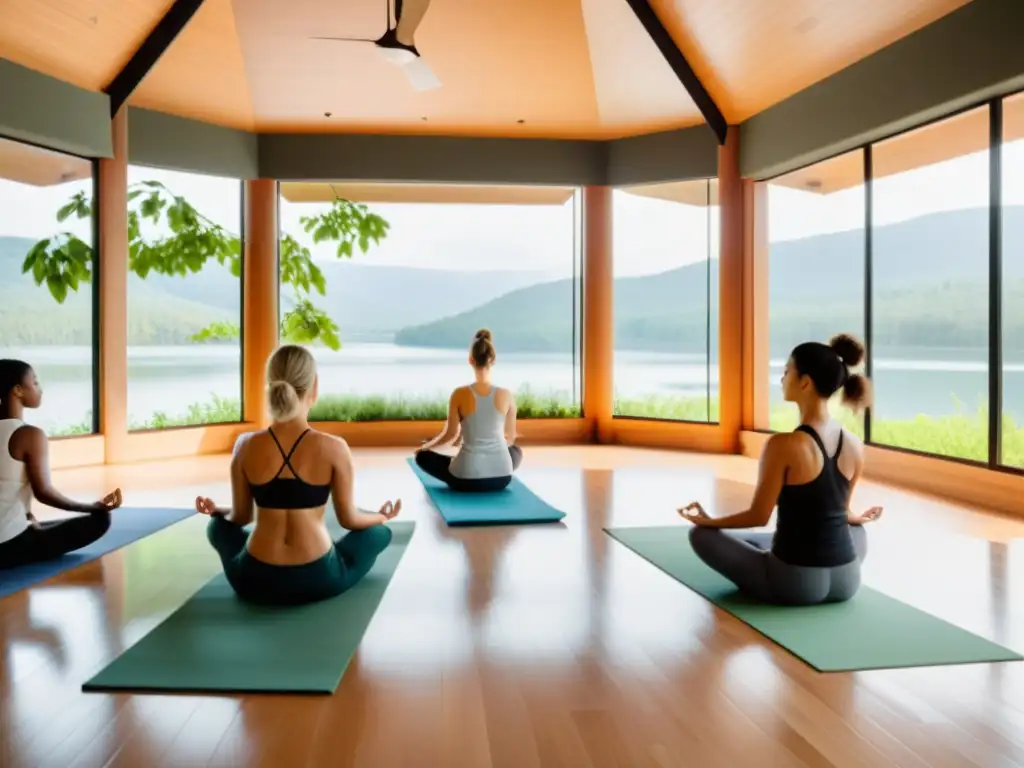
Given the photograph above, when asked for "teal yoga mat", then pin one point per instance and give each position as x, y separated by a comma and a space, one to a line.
871, 631
215, 642
515, 504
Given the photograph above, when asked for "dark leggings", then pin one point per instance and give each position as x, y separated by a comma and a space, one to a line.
745, 558
348, 561
53, 539
438, 466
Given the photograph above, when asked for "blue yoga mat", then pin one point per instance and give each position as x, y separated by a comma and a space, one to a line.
515, 504
129, 524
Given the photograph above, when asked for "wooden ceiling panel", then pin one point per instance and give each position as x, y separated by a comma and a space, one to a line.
84, 42
963, 134
39, 167
751, 54
494, 194
202, 74
529, 68
498, 63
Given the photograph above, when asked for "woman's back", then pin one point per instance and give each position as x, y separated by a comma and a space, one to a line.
484, 450
289, 470
812, 528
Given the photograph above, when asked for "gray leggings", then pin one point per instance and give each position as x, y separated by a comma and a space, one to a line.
745, 558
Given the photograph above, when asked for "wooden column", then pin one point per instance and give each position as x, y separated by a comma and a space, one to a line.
730, 300
755, 413
598, 311
112, 293
260, 321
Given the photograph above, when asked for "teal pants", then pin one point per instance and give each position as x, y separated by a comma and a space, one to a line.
254, 581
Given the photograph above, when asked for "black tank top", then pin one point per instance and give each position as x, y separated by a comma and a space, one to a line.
289, 492
813, 529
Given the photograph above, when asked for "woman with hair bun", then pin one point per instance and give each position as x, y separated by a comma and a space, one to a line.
815, 554
482, 422
289, 558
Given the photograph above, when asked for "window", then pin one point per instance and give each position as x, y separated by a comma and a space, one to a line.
816, 251
391, 323
666, 301
930, 267
184, 299
1013, 281
46, 268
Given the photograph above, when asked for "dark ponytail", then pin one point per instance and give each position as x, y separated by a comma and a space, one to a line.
482, 350
828, 367
12, 374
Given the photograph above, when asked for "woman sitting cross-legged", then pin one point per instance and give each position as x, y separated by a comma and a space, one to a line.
283, 477
25, 473
482, 422
816, 552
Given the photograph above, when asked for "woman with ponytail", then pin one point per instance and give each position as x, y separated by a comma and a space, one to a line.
815, 554
482, 422
25, 473
290, 558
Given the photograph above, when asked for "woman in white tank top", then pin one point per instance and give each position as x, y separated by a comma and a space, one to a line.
25, 473
482, 420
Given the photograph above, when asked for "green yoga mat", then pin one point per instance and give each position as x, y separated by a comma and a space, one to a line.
215, 642
871, 631
516, 504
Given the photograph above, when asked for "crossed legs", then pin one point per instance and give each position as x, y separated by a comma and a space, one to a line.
744, 557
438, 466
53, 539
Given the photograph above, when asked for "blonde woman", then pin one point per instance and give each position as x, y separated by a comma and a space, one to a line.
281, 479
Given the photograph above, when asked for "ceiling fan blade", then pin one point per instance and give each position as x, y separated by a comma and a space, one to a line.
344, 39
421, 76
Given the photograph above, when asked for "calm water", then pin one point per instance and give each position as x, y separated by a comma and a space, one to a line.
168, 379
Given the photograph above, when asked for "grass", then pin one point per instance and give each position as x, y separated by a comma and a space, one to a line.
960, 435
529, 405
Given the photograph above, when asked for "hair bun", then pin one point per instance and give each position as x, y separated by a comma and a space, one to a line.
482, 335
849, 349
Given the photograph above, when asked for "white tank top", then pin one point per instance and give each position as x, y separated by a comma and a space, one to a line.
484, 452
15, 491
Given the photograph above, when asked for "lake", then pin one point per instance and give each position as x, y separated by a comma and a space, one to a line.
168, 379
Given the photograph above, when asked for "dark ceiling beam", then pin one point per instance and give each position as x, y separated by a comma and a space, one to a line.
152, 48
661, 38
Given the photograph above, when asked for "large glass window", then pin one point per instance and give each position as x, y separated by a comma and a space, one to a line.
930, 267
666, 301
816, 269
184, 299
389, 283
46, 269
1013, 281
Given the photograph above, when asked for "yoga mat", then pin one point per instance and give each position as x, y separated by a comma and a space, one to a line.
128, 524
871, 631
216, 642
514, 504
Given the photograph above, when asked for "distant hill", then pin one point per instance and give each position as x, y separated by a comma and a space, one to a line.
930, 278
368, 302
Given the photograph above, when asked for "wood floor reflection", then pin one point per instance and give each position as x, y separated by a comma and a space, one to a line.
528, 646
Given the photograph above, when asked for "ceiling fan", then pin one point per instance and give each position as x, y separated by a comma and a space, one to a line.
421, 77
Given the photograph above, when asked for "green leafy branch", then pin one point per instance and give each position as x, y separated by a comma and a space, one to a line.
64, 262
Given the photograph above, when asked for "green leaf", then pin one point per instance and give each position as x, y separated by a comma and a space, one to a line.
58, 288
217, 331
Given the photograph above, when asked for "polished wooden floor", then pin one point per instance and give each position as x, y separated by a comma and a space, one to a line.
529, 646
